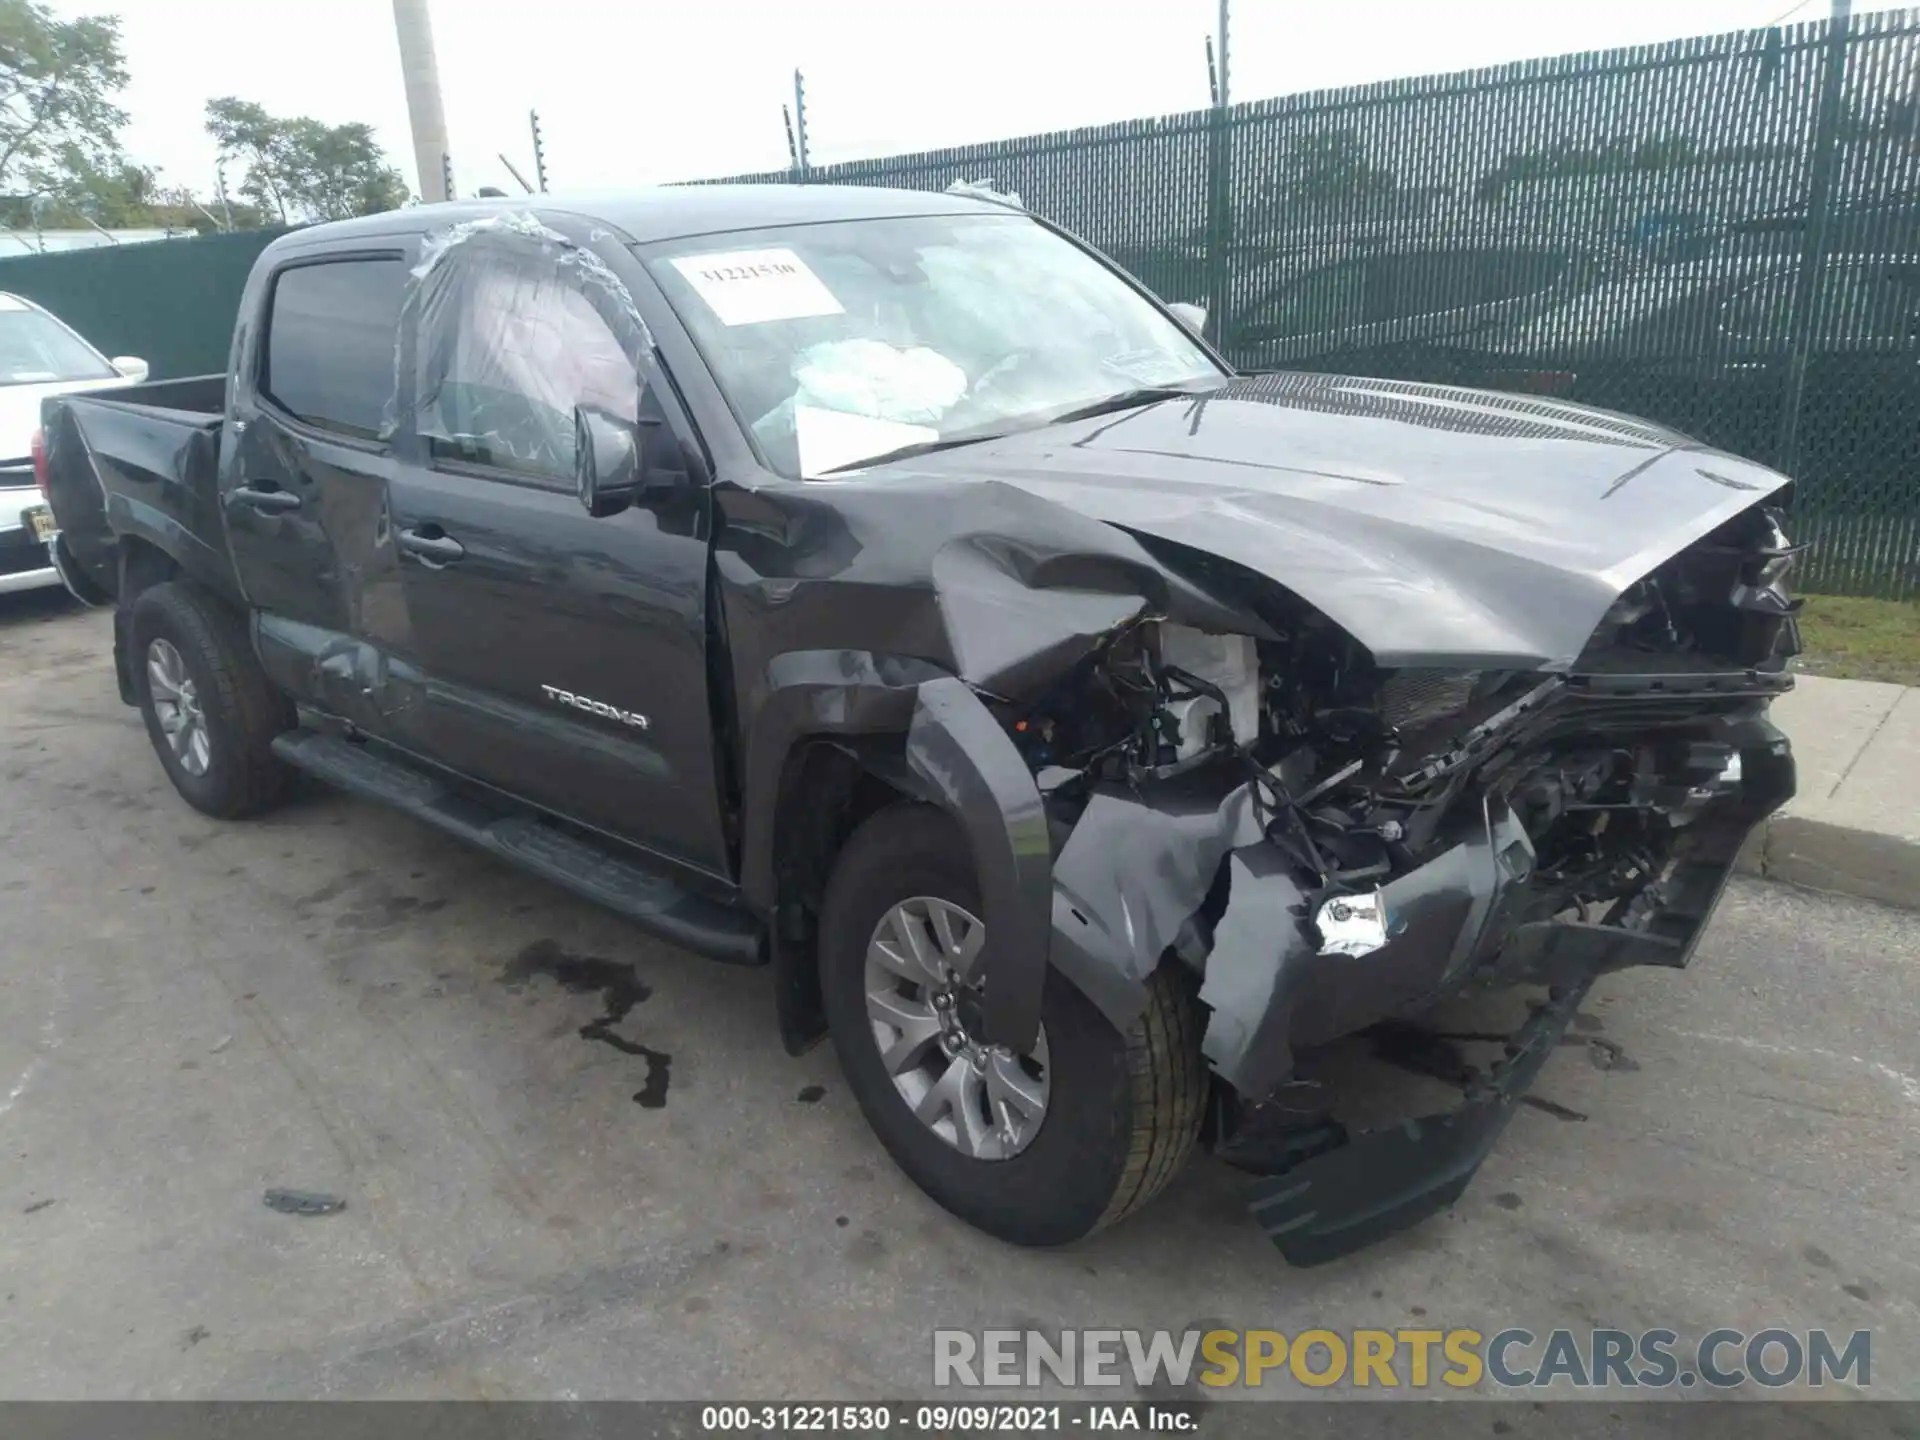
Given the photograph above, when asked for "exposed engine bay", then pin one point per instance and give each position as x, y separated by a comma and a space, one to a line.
1356, 768
1584, 788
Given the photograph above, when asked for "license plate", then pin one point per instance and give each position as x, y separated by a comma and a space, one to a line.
39, 520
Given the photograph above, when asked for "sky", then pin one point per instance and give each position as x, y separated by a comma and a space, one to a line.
639, 91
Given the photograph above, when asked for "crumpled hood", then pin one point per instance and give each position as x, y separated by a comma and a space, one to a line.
1438, 526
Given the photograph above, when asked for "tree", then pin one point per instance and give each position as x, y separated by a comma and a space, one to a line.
115, 194
344, 171
58, 80
245, 132
298, 168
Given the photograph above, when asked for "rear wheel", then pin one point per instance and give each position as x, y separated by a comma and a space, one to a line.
210, 710
1037, 1149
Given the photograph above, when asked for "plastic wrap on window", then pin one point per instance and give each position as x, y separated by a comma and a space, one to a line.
985, 190
512, 325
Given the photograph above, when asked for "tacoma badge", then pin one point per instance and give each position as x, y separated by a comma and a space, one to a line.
596, 707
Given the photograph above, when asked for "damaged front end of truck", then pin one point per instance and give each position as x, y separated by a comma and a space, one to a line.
1330, 844
1162, 757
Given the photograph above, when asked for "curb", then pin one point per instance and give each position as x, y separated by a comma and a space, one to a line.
1839, 859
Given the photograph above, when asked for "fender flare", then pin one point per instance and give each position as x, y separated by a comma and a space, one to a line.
958, 757
147, 524
956, 746
811, 693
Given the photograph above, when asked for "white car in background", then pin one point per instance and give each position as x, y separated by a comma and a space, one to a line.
39, 356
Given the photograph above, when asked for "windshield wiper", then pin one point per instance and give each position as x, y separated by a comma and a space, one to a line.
1124, 400
919, 447
1142, 395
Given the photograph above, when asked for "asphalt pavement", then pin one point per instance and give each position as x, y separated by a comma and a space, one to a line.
576, 1162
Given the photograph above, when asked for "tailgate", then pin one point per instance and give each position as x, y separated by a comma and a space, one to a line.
115, 467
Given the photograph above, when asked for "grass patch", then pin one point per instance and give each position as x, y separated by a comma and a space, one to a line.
1853, 639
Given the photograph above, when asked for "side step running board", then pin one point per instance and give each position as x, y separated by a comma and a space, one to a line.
595, 872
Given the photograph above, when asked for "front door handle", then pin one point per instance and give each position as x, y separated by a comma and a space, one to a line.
268, 502
435, 549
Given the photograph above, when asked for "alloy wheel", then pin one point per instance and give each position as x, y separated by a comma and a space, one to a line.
176, 705
923, 1001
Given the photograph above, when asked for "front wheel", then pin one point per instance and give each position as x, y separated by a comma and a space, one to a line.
210, 710
1035, 1149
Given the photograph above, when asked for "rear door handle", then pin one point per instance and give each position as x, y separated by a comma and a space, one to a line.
435, 549
268, 502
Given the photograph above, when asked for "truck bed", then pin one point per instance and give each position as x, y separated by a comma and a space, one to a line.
135, 462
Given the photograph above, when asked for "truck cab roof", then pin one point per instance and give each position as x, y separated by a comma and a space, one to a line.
665, 212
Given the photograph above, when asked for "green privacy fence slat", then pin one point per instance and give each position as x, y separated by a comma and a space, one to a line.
1629, 228
171, 302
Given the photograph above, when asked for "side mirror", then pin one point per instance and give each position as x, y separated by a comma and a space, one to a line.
131, 366
617, 462
1194, 317
606, 461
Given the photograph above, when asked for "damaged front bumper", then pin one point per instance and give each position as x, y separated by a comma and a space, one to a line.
1361, 1188
1142, 870
1182, 865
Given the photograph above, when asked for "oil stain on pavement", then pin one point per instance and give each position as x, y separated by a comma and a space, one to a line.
618, 985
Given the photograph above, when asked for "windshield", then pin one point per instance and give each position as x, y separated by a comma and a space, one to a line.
842, 342
35, 349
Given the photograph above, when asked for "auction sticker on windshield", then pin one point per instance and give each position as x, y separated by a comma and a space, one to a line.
750, 287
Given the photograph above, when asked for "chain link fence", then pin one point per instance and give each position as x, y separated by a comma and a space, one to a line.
1719, 233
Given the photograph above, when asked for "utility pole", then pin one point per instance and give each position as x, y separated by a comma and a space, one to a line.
1222, 97
800, 119
539, 151
1219, 238
220, 189
414, 29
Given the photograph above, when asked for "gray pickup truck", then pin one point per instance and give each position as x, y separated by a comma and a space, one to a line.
884, 588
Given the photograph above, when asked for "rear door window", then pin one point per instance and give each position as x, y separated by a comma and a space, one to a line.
1761, 311
331, 332
1331, 296
1856, 304
1379, 289
1866, 304
1440, 281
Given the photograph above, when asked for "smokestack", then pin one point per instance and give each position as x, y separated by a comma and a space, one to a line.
415, 31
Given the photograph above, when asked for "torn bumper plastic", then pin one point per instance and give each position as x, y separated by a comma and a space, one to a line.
1138, 867
1385, 1180
1133, 876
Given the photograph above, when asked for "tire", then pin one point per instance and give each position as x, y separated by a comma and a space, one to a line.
239, 707
1122, 1112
